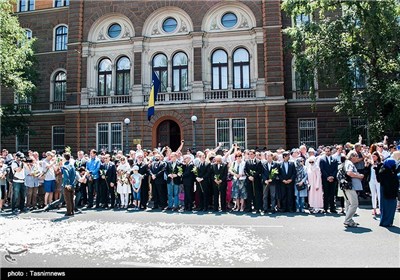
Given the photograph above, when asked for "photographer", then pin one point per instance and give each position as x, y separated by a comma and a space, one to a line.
19, 189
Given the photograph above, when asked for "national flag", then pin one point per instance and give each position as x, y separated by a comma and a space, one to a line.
155, 86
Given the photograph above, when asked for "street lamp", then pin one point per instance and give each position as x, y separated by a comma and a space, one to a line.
127, 121
194, 119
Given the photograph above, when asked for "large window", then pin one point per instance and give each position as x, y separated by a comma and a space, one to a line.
219, 70
230, 131
358, 76
61, 40
109, 136
308, 132
179, 72
160, 67
105, 77
60, 86
26, 5
123, 76
61, 3
302, 19
58, 136
241, 69
22, 143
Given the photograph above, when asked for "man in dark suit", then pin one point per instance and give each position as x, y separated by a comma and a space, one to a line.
287, 176
110, 181
203, 182
253, 171
219, 175
329, 170
188, 180
271, 180
156, 171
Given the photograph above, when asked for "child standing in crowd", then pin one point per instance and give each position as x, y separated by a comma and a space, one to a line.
136, 180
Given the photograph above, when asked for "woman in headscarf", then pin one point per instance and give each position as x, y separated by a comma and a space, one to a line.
315, 195
301, 186
387, 176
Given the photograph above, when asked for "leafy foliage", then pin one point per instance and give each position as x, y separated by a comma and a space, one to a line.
353, 46
17, 70
16, 52
14, 121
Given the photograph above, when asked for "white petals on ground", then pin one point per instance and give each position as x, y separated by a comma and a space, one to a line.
160, 244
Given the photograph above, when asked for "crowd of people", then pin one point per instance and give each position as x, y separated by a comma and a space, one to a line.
218, 180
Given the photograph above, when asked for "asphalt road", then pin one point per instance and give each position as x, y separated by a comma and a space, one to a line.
131, 238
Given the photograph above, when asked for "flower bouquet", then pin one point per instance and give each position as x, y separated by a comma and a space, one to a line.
180, 171
274, 172
196, 173
217, 178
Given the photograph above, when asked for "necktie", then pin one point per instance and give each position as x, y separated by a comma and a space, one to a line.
237, 168
329, 160
286, 167
218, 166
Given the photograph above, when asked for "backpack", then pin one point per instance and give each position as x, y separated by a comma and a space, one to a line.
10, 172
344, 180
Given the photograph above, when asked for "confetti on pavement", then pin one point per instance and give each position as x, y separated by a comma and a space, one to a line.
160, 244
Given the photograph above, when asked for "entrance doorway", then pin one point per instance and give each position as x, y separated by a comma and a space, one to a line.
169, 134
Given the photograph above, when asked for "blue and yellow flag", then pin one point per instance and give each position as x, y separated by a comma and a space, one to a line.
153, 95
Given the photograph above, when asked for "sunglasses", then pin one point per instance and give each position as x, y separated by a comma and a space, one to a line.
311, 162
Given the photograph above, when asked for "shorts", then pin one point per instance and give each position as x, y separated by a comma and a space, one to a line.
136, 195
49, 186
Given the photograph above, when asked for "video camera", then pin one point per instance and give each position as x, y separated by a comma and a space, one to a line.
22, 157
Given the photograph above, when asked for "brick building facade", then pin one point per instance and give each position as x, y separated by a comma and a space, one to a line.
222, 61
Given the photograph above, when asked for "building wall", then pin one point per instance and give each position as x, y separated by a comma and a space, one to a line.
271, 116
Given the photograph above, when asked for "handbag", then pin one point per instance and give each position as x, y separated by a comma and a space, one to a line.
300, 188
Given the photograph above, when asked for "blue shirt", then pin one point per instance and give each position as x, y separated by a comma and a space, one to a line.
93, 166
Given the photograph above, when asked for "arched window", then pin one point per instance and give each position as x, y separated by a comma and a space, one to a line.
28, 33
123, 76
160, 67
104, 78
61, 38
241, 69
219, 70
179, 72
60, 86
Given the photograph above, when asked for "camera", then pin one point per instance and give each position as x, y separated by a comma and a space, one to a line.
22, 157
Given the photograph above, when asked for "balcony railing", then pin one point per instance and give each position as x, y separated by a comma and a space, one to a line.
230, 94
24, 106
57, 105
305, 95
171, 96
110, 100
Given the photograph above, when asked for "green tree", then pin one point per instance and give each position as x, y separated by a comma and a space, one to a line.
17, 69
354, 46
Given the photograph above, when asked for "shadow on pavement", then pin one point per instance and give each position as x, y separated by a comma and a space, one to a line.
358, 230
